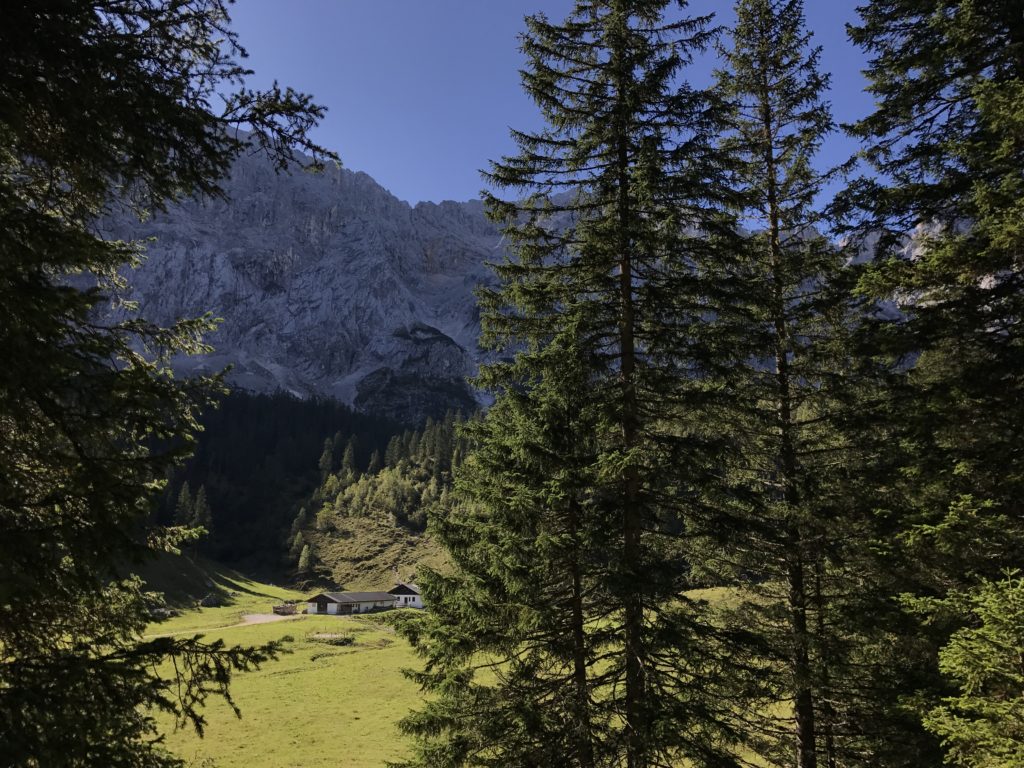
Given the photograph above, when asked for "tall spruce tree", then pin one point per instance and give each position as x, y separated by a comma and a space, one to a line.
787, 530
946, 144
103, 104
202, 516
530, 550
184, 507
608, 304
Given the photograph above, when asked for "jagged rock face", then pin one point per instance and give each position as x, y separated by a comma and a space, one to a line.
327, 284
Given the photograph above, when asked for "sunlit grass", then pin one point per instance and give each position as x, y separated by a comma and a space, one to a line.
242, 596
320, 705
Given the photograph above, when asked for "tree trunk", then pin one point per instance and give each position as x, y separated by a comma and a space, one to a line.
803, 691
803, 696
828, 714
583, 730
632, 519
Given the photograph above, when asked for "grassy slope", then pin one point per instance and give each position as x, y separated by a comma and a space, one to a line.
320, 705
362, 553
247, 597
185, 580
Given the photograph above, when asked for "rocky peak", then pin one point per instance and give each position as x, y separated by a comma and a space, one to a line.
327, 285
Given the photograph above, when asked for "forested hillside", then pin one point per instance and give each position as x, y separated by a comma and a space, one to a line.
366, 523
256, 461
273, 475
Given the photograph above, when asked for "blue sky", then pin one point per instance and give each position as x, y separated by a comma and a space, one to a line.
422, 93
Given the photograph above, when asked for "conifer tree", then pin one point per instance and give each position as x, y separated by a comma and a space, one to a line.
394, 452
298, 542
787, 535
376, 462
618, 264
300, 521
411, 440
946, 147
529, 540
305, 563
184, 508
202, 516
126, 106
980, 726
348, 471
326, 463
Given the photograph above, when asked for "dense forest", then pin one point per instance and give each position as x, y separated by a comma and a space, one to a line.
256, 461
722, 374
275, 482
366, 521
749, 490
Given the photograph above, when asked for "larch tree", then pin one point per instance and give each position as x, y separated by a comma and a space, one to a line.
305, 564
945, 145
571, 578
298, 542
103, 104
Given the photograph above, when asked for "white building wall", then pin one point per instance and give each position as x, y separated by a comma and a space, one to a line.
408, 601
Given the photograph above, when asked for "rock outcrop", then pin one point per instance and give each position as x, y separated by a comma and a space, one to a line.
326, 285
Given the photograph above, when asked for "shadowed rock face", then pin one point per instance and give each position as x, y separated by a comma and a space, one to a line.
327, 284
430, 380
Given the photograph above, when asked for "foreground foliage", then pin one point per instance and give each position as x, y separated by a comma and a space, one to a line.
103, 103
984, 723
569, 572
947, 144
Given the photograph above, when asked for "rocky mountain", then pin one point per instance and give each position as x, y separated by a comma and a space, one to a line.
327, 285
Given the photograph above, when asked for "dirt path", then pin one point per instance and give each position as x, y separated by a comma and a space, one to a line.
247, 619
262, 618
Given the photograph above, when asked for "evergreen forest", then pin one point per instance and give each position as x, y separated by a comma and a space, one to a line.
747, 490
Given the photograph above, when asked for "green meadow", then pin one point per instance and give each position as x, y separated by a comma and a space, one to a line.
333, 700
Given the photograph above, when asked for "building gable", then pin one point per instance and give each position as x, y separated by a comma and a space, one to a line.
404, 589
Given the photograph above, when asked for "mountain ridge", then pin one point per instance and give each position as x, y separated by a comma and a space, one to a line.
328, 285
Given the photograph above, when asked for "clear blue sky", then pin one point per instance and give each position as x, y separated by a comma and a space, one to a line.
422, 93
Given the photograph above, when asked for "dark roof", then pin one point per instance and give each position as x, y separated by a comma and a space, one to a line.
354, 597
404, 589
